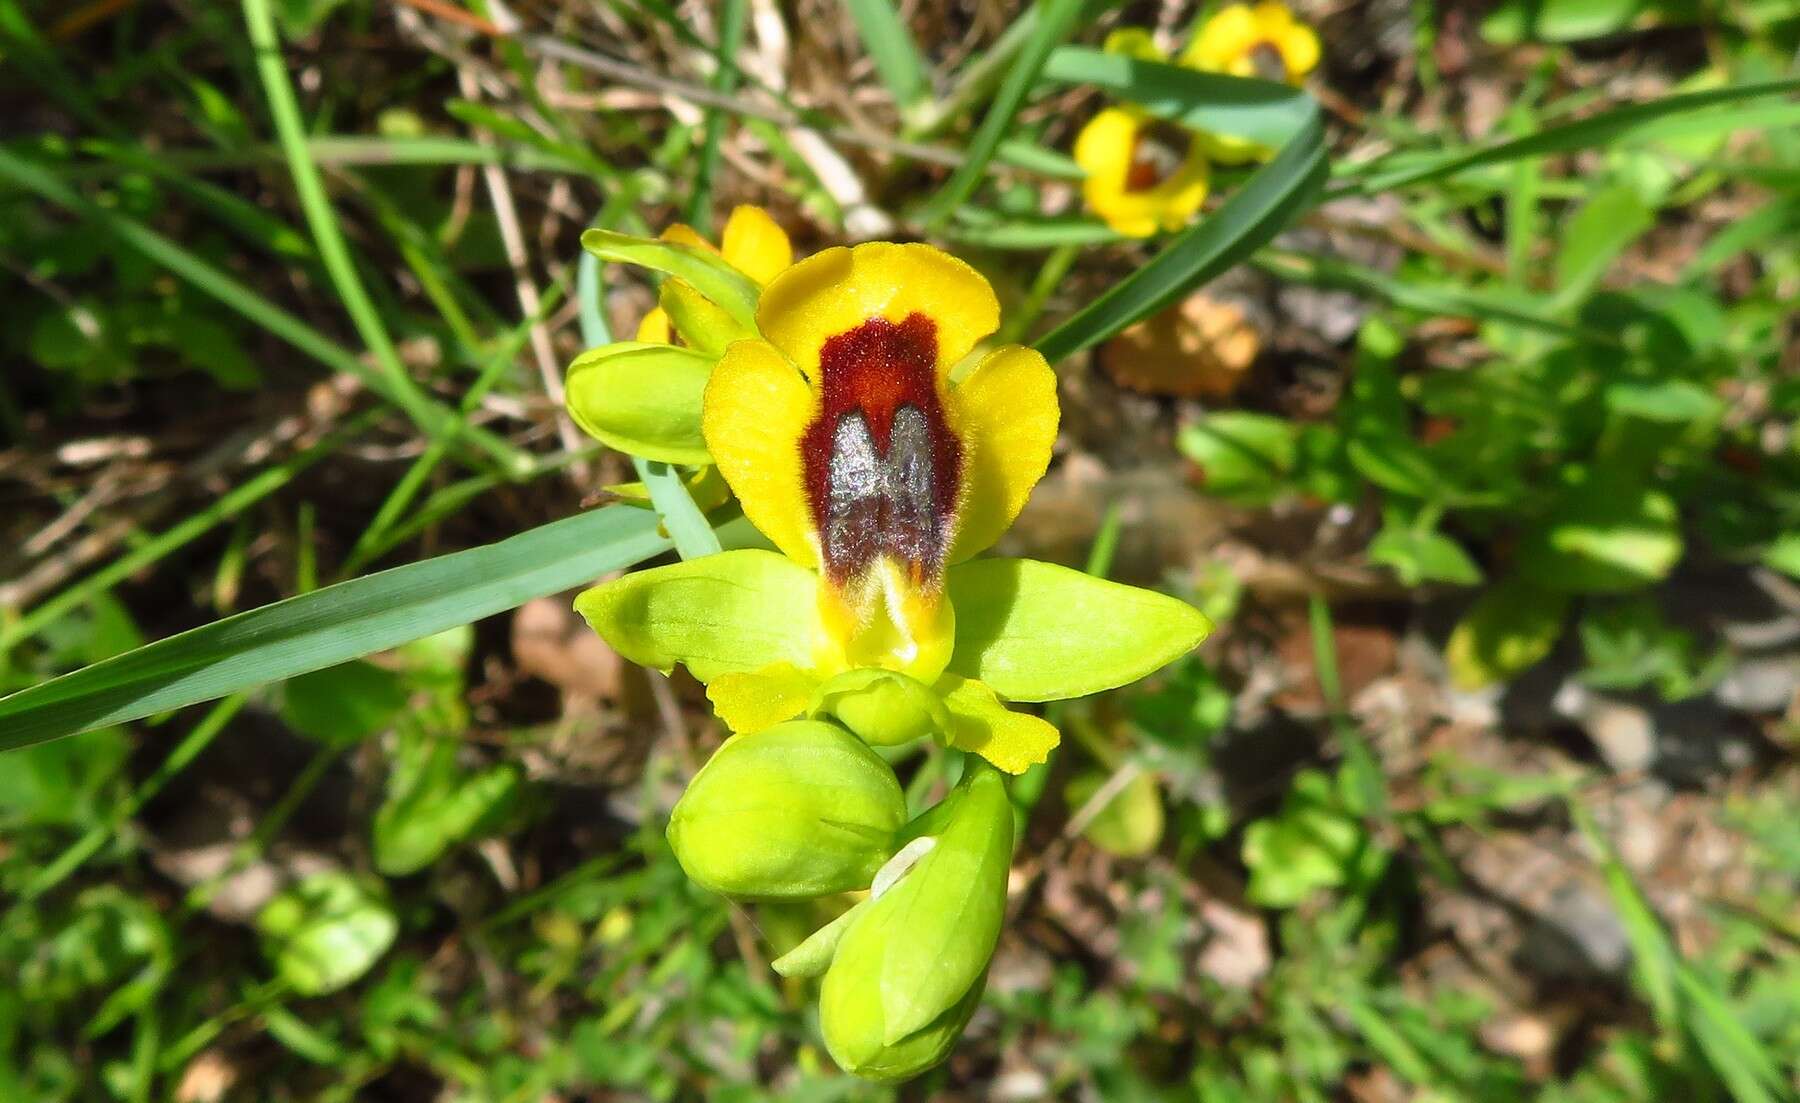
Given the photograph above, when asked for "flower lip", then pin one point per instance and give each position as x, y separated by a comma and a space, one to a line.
883, 470
1267, 62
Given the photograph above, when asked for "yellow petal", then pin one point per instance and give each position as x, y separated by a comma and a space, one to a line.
755, 244
755, 410
1006, 414
654, 329
758, 699
833, 292
680, 233
1013, 741
1299, 46
1106, 149
1134, 42
1226, 38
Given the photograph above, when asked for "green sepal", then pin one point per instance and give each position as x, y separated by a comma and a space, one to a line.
733, 612
885, 708
813, 956
642, 399
920, 949
705, 326
795, 811
706, 271
1039, 632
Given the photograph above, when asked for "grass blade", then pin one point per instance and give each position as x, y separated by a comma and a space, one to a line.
1270, 200
1055, 19
430, 416
892, 50
334, 252
332, 625
1608, 127
1259, 110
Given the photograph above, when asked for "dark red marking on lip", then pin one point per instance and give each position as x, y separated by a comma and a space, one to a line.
882, 468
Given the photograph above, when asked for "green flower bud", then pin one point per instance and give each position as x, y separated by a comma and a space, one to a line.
883, 707
791, 812
908, 971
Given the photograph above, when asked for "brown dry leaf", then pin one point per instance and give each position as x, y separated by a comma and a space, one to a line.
1198, 348
550, 642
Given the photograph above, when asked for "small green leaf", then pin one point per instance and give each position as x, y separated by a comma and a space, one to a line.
707, 272
1508, 629
1595, 235
1131, 823
1039, 632
343, 705
1243, 457
643, 399
813, 956
1784, 554
1423, 556
737, 611
1676, 401
1314, 842
437, 808
326, 931
1601, 537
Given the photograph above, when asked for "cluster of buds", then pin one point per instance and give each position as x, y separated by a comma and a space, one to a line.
847, 404
1143, 177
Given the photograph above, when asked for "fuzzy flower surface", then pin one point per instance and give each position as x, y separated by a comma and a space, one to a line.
879, 454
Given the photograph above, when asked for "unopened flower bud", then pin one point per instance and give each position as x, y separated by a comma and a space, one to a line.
792, 812
883, 707
909, 971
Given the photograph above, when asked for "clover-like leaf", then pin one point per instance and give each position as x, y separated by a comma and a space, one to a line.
1039, 632
733, 612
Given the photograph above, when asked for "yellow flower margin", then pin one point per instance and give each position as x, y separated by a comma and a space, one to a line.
948, 637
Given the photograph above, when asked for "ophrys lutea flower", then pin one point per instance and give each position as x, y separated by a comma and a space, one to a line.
1143, 176
879, 456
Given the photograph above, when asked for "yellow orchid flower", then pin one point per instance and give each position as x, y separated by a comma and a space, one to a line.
643, 396
1264, 41
1134, 181
879, 467
1135, 185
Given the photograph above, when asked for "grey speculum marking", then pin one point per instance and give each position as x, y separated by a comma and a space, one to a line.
879, 503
